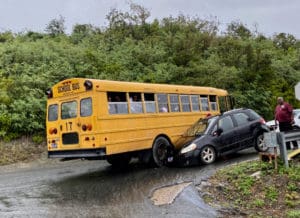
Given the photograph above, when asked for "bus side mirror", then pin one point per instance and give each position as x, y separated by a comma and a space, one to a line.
49, 93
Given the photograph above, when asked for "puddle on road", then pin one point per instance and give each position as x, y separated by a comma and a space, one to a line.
5, 201
166, 195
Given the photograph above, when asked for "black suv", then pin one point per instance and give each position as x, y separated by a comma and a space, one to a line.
223, 134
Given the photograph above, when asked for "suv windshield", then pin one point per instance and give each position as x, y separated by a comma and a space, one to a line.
202, 126
210, 123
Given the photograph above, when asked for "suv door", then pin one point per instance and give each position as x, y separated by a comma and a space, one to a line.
226, 140
244, 129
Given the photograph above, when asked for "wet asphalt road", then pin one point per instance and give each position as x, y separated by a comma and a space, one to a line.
94, 189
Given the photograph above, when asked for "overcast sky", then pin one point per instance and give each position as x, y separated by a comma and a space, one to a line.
271, 16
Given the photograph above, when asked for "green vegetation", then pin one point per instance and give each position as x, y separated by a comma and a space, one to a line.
293, 214
256, 189
177, 50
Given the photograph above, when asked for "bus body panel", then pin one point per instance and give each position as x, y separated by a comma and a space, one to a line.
127, 134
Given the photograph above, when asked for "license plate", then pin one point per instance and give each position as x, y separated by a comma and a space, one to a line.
53, 145
170, 159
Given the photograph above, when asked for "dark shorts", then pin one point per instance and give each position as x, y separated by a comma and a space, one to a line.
285, 126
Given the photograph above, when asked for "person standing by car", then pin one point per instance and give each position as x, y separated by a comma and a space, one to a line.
284, 116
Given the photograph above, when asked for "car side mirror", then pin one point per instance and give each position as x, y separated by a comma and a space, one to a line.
218, 132
197, 134
250, 119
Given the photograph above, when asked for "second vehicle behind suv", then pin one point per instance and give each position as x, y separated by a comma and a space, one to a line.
224, 134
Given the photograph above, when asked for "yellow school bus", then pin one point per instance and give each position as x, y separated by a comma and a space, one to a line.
113, 120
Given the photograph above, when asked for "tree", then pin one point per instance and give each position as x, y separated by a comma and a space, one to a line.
139, 14
237, 29
6, 36
284, 41
56, 26
81, 31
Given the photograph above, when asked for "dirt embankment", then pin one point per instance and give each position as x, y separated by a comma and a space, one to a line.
21, 150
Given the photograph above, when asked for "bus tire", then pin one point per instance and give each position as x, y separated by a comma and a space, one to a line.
119, 160
161, 151
146, 158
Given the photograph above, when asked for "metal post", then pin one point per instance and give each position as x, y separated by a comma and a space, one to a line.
282, 146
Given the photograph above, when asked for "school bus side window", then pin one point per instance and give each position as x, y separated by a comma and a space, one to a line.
162, 100
174, 101
185, 103
136, 106
86, 108
150, 103
213, 102
68, 110
204, 103
195, 103
53, 112
117, 103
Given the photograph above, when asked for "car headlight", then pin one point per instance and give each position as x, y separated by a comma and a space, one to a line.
189, 148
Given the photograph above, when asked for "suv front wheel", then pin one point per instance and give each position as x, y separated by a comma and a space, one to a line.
207, 154
260, 144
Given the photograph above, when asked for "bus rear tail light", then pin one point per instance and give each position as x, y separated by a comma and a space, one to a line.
87, 138
87, 127
52, 131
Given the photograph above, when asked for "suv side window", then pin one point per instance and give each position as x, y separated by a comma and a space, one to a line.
241, 118
226, 124
253, 115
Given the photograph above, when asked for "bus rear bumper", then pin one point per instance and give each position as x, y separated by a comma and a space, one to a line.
84, 153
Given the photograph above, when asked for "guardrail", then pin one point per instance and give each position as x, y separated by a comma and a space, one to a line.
279, 139
292, 135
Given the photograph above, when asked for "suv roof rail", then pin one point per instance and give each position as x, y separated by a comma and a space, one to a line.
233, 110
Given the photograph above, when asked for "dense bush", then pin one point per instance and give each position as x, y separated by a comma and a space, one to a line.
253, 68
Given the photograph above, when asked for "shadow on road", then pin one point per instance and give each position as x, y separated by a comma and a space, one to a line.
107, 184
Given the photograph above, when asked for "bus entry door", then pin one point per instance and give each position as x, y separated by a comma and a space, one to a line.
70, 124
